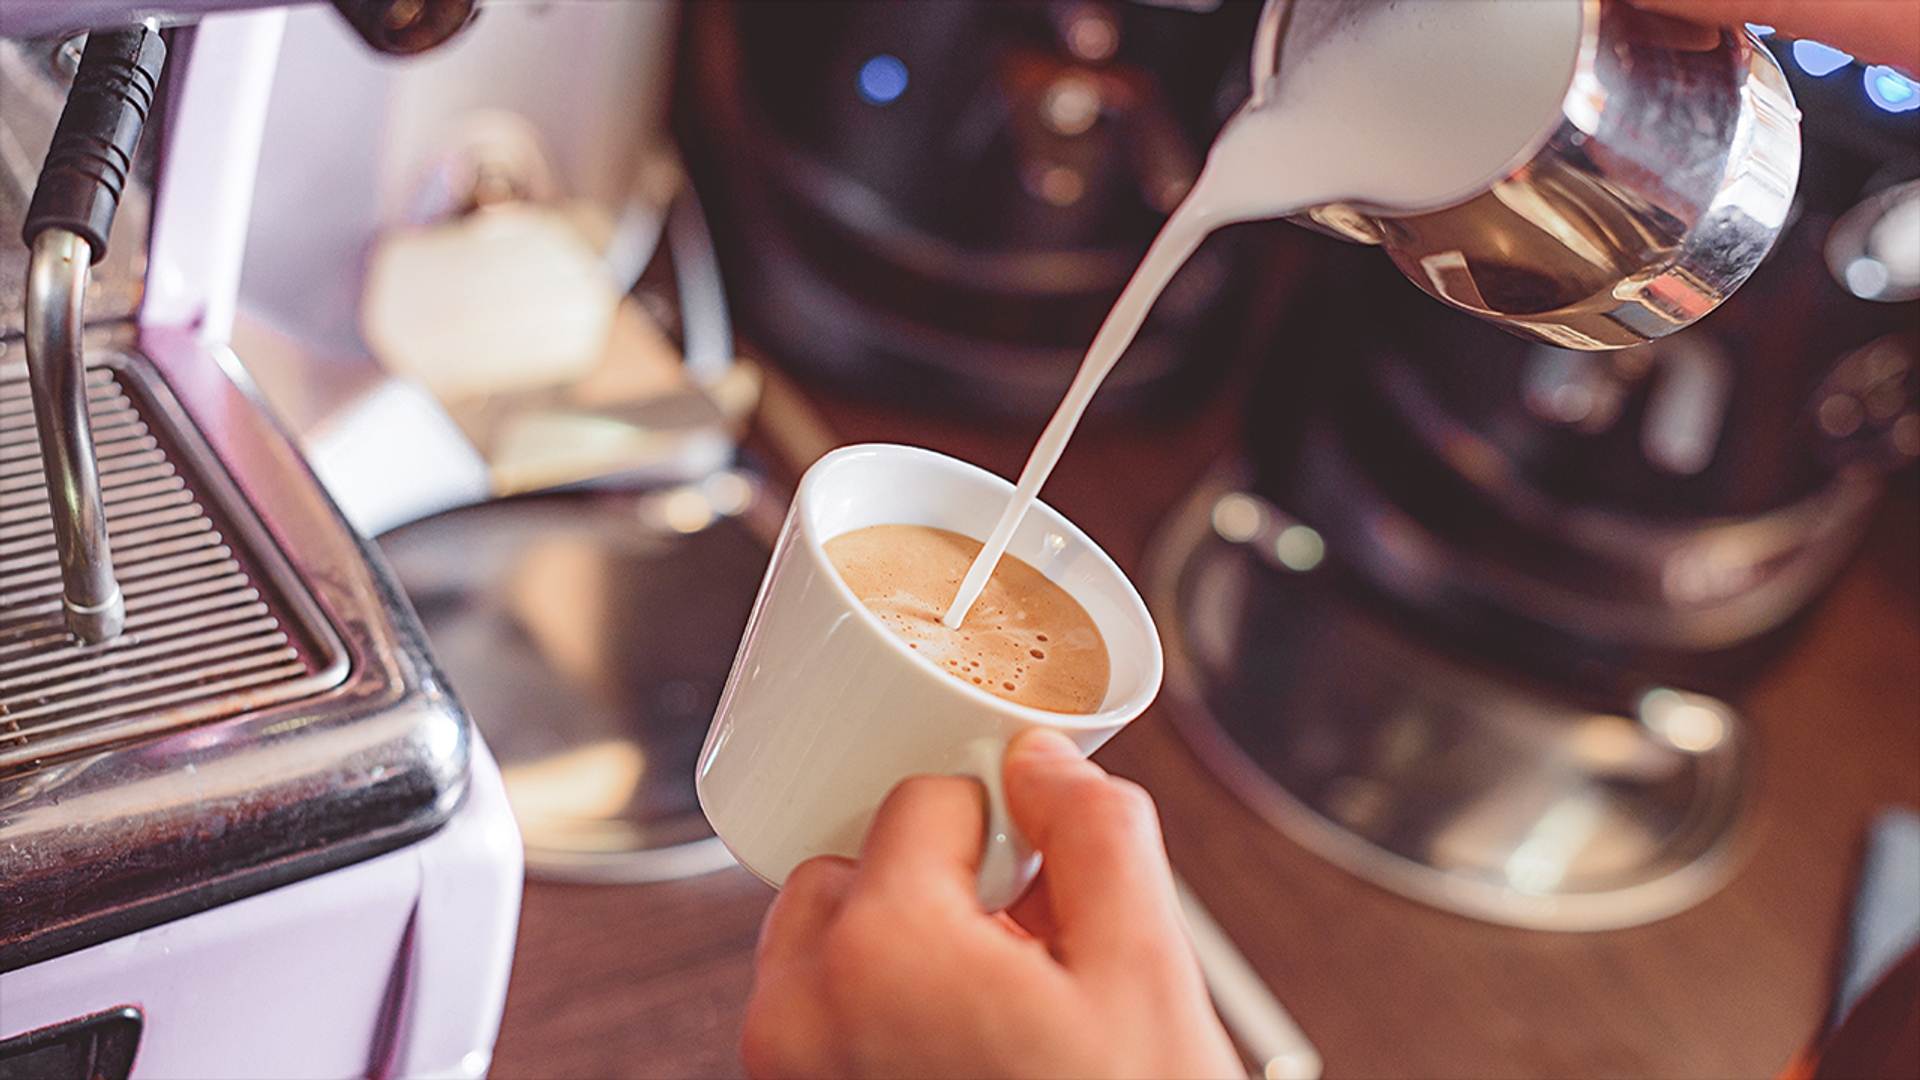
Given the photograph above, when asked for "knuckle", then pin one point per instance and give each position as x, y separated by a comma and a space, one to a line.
855, 951
875, 948
928, 791
920, 785
818, 874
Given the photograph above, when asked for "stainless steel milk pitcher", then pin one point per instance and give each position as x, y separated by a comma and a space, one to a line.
1655, 190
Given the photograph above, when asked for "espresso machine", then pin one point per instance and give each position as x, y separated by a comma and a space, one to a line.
935, 205
245, 828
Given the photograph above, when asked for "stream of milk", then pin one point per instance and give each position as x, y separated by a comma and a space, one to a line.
1396, 105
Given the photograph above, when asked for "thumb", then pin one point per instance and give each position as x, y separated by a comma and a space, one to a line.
1108, 881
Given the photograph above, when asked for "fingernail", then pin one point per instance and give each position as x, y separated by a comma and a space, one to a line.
1042, 742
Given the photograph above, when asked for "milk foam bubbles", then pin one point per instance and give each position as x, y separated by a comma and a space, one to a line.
1026, 640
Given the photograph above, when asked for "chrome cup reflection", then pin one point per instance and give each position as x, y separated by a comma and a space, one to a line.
1658, 187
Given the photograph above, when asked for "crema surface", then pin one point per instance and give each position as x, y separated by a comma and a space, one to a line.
1024, 640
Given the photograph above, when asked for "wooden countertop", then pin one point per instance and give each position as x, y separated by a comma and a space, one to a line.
651, 980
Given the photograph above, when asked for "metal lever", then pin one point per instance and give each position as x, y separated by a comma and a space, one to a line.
66, 226
56, 285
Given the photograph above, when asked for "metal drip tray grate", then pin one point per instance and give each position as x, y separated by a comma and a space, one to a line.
216, 623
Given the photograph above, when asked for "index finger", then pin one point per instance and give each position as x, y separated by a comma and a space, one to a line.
1874, 29
927, 836
803, 909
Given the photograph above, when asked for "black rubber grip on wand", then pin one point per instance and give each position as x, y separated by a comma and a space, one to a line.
92, 147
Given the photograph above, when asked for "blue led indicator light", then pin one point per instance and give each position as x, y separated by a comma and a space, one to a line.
881, 80
1816, 59
1891, 90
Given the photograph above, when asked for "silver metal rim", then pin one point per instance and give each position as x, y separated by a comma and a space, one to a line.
1632, 905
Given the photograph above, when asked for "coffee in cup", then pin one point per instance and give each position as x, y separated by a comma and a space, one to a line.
828, 707
1025, 639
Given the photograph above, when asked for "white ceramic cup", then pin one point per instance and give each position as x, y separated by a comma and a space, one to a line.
826, 709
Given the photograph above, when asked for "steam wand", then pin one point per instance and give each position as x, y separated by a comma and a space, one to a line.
66, 227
